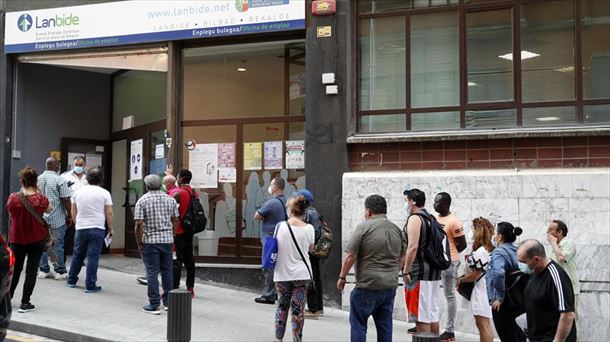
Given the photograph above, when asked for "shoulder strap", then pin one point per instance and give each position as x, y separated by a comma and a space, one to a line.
283, 206
299, 249
31, 210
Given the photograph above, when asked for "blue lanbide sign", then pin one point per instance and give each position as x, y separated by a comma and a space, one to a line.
161, 36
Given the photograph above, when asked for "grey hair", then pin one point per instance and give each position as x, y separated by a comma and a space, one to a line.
153, 182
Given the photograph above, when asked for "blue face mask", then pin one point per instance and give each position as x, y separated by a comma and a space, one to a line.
79, 170
524, 268
493, 242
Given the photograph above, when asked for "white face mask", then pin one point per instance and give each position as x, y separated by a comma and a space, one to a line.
493, 241
79, 170
470, 235
270, 189
405, 206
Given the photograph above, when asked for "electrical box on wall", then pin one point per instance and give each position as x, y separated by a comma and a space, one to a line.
332, 90
328, 78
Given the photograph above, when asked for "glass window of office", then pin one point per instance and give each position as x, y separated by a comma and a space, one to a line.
243, 118
459, 71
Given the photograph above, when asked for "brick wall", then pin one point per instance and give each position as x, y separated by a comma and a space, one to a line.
548, 152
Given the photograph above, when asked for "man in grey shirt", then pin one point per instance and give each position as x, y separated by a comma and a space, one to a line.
378, 247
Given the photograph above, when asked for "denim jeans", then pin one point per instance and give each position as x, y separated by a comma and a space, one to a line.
87, 243
379, 304
59, 235
449, 277
157, 258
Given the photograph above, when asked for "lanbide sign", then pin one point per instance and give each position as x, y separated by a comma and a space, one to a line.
323, 7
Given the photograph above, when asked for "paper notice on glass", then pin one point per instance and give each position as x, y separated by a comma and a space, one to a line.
227, 175
93, 160
295, 154
253, 156
71, 156
273, 155
203, 163
226, 155
108, 240
135, 169
159, 151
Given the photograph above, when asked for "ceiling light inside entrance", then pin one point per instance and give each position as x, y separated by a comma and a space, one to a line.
548, 118
241, 69
524, 55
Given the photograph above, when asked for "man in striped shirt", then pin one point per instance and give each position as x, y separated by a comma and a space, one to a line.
549, 297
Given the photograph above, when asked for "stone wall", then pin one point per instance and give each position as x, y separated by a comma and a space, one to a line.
527, 198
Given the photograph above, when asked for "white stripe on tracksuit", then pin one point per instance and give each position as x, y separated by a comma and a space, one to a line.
557, 281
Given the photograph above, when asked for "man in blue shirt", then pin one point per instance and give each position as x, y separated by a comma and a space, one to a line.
272, 212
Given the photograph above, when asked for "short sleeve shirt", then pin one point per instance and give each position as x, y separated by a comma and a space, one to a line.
274, 211
378, 245
453, 228
156, 209
568, 249
24, 227
55, 188
91, 202
73, 181
548, 294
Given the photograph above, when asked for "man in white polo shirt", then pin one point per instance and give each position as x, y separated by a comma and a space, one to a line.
75, 178
91, 208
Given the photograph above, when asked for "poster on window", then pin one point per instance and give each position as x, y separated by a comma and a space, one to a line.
253, 158
135, 169
203, 163
227, 175
226, 155
273, 155
295, 154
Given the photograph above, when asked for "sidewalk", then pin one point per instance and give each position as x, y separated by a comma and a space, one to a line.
219, 314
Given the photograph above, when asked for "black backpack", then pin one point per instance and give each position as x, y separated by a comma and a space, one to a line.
194, 220
436, 250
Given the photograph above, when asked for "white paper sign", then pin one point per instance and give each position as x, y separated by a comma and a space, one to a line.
93, 160
135, 169
227, 175
203, 163
295, 154
128, 122
159, 151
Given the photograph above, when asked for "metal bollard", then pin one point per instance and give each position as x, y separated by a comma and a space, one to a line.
426, 337
179, 316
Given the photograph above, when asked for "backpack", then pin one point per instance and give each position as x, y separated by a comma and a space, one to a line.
324, 245
514, 297
436, 250
194, 220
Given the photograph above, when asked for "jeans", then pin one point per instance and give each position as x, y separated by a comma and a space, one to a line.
364, 303
184, 254
449, 277
292, 295
59, 235
157, 258
269, 290
33, 251
314, 295
87, 243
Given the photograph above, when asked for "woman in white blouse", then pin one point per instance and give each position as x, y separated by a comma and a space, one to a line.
483, 231
292, 276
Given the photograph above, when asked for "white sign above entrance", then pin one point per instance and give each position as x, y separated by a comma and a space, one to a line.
140, 21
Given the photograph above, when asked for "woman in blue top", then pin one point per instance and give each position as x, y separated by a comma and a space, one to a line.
503, 259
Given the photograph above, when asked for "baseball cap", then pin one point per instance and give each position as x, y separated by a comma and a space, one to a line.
305, 193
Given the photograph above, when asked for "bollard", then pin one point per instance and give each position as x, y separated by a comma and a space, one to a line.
179, 316
426, 337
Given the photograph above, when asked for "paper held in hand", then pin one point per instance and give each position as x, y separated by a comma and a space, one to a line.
108, 240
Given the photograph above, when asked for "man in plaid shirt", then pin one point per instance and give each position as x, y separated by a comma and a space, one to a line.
156, 217
55, 188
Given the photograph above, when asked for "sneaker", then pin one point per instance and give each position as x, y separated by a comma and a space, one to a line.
164, 307
314, 314
192, 291
264, 300
44, 275
70, 285
412, 331
61, 276
447, 336
151, 309
142, 280
26, 307
94, 290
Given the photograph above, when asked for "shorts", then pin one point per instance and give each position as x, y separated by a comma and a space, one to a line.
422, 302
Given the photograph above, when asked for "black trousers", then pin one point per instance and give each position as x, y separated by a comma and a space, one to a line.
314, 295
184, 253
33, 251
506, 327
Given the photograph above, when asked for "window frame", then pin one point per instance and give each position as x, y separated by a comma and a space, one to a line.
463, 9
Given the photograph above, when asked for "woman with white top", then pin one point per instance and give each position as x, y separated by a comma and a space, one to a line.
292, 276
483, 231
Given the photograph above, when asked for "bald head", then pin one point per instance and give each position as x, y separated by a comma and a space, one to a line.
531, 252
168, 181
52, 164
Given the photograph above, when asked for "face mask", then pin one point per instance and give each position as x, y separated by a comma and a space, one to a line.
493, 241
525, 269
270, 190
79, 170
470, 235
405, 206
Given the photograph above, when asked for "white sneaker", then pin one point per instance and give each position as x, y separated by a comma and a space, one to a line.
61, 276
43, 275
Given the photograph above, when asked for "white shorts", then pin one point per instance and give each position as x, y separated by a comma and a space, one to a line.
422, 301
